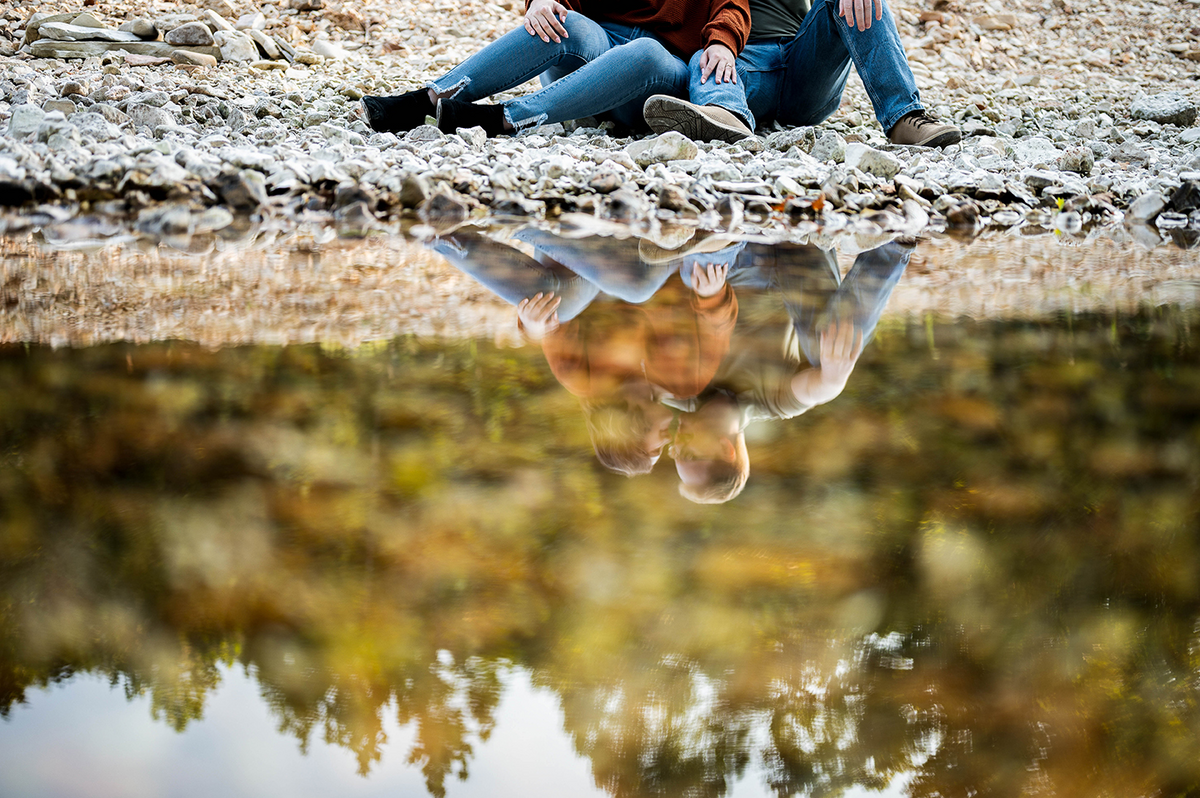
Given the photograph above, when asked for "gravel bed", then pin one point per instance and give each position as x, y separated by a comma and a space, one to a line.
1059, 133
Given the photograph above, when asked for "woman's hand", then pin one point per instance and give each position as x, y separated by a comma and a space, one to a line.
709, 280
539, 315
718, 60
545, 19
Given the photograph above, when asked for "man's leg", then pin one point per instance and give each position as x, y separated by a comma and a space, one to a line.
818, 64
751, 100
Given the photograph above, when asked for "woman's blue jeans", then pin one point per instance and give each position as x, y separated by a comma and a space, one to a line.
599, 67
799, 81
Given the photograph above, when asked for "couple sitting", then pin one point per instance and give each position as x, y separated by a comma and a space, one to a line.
751, 61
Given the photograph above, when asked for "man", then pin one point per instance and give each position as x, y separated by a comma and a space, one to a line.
794, 69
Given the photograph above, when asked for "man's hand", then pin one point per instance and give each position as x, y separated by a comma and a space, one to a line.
718, 61
544, 19
708, 280
539, 315
841, 344
860, 10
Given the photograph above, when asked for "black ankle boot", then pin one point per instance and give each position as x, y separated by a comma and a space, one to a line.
397, 114
453, 114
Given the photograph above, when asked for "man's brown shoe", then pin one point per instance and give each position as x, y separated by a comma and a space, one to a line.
697, 122
922, 130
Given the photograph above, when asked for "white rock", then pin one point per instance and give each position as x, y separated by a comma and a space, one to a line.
254, 21
872, 161
236, 45
190, 35
64, 32
1147, 206
1036, 151
327, 49
670, 146
830, 147
25, 120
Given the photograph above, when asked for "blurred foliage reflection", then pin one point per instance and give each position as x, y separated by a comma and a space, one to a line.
977, 568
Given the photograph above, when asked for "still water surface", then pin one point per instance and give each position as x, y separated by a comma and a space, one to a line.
948, 555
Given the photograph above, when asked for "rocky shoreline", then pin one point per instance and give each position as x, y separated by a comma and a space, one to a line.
1078, 141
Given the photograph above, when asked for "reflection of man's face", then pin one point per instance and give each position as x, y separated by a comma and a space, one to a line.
703, 437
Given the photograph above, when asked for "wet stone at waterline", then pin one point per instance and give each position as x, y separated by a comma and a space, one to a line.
698, 513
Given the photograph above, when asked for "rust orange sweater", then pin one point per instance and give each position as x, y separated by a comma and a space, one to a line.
685, 25
676, 341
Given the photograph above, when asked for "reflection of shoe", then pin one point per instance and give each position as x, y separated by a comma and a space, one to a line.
697, 122
453, 114
397, 114
922, 130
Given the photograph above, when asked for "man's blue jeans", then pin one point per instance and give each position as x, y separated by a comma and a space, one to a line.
599, 67
799, 81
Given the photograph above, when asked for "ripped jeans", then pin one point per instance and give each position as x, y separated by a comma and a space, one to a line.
599, 67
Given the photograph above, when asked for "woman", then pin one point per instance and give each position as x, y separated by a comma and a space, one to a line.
607, 61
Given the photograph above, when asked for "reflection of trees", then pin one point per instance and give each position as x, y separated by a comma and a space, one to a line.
384, 533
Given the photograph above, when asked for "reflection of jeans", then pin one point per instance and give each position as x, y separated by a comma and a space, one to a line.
513, 275
799, 81
600, 67
611, 264
814, 295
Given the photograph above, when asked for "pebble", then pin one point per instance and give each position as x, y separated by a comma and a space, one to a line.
1168, 108
1146, 207
192, 34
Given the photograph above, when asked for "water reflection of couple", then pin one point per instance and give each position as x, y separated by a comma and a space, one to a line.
640, 335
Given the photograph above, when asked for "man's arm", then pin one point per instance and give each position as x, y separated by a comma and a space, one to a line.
841, 344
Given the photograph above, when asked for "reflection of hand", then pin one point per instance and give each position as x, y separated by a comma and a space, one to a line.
544, 19
709, 280
539, 315
841, 344
860, 9
718, 61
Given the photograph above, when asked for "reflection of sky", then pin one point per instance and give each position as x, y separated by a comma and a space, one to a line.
84, 740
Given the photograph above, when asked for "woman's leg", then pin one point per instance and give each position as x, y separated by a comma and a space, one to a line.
518, 56
513, 275
620, 80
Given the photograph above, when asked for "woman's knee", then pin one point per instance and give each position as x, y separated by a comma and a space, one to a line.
649, 57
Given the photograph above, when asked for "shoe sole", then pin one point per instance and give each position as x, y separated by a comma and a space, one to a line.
943, 139
666, 113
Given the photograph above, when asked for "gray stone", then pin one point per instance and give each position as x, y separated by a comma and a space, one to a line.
193, 58
784, 140
71, 89
64, 32
168, 22
142, 28
148, 116
307, 5
414, 190
1036, 151
1168, 108
265, 43
46, 48
236, 46
327, 49
830, 147
1147, 206
190, 35
872, 161
215, 21
424, 133
33, 25
1038, 179
475, 137
669, 146
87, 20
1190, 136
65, 107
252, 21
1077, 159
624, 206
244, 191
212, 220
25, 120
165, 220
222, 8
